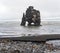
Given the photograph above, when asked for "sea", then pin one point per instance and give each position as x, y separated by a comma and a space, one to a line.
14, 28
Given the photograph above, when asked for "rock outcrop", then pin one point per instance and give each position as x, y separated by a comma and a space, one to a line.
31, 16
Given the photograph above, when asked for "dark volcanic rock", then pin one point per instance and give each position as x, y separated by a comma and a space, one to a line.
31, 16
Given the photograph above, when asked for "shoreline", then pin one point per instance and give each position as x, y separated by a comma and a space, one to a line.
32, 38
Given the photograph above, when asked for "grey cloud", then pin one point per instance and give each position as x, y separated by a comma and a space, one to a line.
15, 8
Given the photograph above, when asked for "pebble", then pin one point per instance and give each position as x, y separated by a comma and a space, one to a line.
8, 46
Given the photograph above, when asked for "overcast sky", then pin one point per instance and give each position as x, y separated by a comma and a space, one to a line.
13, 9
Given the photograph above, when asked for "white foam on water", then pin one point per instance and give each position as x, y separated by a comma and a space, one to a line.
3, 34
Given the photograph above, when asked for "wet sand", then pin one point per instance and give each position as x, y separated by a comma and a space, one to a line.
30, 37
